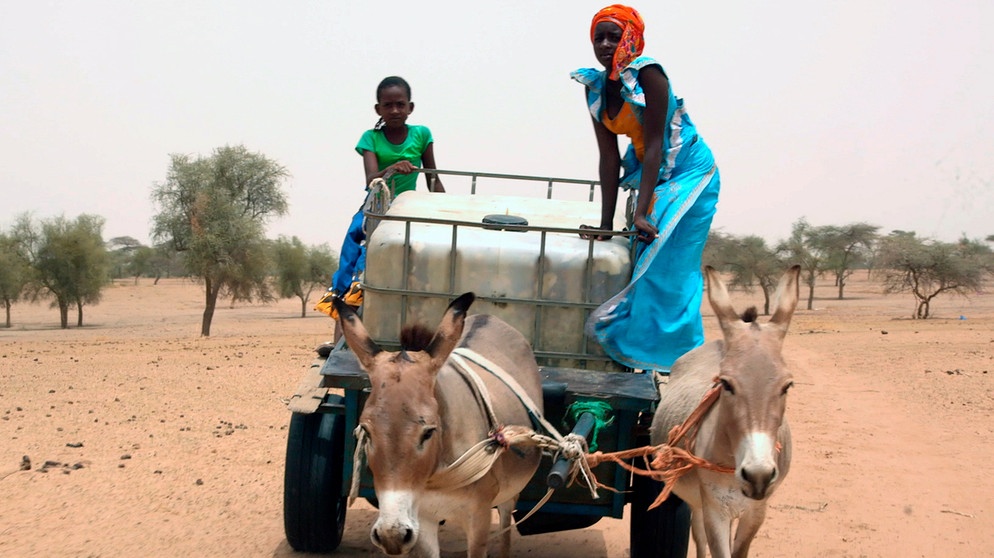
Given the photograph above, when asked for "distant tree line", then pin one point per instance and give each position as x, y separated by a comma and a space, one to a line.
212, 211
68, 263
901, 260
210, 227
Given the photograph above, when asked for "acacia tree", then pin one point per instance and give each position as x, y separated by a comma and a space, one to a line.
301, 269
719, 249
749, 260
69, 260
212, 210
122, 250
161, 261
755, 262
927, 268
799, 249
15, 273
843, 248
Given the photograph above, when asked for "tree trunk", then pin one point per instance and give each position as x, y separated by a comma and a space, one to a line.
842, 286
303, 307
811, 296
64, 314
6, 304
79, 314
211, 291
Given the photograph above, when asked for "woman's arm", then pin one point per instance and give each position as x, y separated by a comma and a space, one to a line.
608, 171
657, 95
428, 161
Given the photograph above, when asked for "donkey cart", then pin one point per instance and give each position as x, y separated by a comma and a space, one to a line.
524, 259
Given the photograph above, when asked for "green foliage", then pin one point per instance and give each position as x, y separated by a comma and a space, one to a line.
843, 249
121, 250
799, 250
70, 262
301, 269
927, 268
749, 260
15, 273
212, 210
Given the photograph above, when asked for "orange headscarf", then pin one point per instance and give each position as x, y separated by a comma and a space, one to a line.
632, 34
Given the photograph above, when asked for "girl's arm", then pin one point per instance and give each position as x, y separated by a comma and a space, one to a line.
657, 96
428, 161
372, 167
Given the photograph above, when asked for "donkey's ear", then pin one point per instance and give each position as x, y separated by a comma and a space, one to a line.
721, 303
356, 336
786, 296
450, 330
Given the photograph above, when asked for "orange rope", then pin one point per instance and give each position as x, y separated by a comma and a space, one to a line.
669, 462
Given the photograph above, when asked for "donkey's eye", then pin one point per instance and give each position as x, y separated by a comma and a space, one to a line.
427, 433
786, 387
727, 386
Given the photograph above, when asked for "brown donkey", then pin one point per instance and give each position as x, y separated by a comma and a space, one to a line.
425, 410
745, 430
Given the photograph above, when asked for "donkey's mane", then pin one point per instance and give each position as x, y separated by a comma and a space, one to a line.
750, 315
415, 337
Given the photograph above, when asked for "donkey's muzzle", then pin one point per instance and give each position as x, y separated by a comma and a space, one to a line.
756, 481
393, 541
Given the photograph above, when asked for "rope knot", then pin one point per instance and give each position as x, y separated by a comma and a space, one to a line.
664, 458
573, 447
500, 438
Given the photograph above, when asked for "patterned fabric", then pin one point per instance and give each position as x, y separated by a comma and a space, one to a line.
632, 34
656, 318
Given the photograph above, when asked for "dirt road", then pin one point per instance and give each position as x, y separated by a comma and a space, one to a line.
145, 439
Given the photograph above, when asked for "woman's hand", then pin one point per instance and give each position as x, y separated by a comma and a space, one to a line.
588, 236
646, 231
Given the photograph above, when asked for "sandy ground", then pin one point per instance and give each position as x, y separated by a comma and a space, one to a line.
147, 440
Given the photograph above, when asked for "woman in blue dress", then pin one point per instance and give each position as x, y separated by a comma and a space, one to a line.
657, 317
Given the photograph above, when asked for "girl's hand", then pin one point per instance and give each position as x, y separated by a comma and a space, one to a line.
647, 231
403, 167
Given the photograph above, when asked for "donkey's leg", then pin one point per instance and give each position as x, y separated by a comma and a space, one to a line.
477, 526
699, 533
748, 526
718, 528
504, 512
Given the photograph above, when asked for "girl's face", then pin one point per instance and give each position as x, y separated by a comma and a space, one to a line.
607, 35
394, 106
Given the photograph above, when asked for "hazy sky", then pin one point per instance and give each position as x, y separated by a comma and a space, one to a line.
837, 110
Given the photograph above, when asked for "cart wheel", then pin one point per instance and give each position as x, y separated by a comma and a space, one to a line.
662, 532
313, 504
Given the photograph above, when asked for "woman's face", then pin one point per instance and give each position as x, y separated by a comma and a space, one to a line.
607, 35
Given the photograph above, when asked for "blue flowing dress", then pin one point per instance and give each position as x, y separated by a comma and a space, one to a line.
656, 318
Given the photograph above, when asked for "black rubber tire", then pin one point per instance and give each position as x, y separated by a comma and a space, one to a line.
663, 532
313, 504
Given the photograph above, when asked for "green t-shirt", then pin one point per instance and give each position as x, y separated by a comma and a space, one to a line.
418, 139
